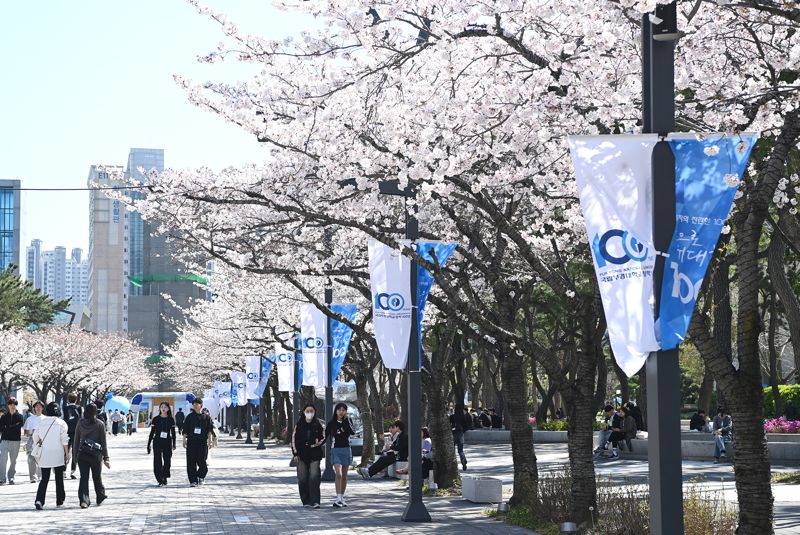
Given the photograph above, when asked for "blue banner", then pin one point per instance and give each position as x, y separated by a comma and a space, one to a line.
234, 395
428, 250
707, 175
266, 368
341, 335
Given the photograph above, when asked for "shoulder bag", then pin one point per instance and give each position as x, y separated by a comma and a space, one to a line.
36, 451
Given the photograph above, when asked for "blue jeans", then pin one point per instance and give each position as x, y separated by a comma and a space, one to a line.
458, 442
719, 444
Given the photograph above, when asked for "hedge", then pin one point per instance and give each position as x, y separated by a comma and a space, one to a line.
788, 392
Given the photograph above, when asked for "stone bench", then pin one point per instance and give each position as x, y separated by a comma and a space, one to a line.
478, 489
392, 470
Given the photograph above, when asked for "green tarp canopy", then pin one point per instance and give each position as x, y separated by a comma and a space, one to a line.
140, 280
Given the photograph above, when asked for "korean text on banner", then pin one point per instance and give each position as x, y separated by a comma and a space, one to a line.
390, 281
428, 250
284, 362
707, 175
253, 375
314, 344
341, 335
614, 177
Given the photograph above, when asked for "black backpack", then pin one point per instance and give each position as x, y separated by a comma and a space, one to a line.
72, 413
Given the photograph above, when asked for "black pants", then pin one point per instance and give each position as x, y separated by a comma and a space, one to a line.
616, 437
384, 461
162, 461
59, 477
196, 466
308, 478
427, 464
88, 462
69, 444
114, 428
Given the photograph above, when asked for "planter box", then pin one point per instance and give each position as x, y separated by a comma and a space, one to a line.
482, 489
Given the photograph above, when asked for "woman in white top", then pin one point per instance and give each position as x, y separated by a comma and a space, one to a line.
52, 434
31, 424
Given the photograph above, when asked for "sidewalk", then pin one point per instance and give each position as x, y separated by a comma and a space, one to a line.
247, 491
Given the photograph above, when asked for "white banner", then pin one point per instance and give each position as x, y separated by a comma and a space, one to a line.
614, 177
210, 403
223, 390
314, 344
390, 280
252, 372
239, 382
284, 362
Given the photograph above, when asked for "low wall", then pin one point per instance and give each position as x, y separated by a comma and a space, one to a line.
783, 447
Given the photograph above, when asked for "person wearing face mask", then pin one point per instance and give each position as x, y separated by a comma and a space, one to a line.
307, 440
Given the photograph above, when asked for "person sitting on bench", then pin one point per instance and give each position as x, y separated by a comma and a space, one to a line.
398, 451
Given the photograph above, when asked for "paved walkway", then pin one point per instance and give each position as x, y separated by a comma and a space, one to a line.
246, 491
250, 491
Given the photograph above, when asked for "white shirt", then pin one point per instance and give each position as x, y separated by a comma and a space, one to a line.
53, 441
32, 422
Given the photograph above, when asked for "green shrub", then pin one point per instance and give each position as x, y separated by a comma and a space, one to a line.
552, 425
788, 392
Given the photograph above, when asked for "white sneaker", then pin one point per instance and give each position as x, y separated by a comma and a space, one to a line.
337, 503
343, 501
364, 472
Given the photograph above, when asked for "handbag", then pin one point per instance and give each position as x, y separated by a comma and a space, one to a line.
37, 450
90, 447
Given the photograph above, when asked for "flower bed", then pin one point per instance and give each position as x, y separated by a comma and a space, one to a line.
782, 425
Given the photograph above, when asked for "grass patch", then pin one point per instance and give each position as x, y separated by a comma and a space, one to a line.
522, 517
790, 478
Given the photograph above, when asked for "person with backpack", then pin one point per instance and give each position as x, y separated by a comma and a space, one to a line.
72, 415
91, 450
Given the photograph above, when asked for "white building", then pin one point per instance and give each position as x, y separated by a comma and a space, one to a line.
33, 263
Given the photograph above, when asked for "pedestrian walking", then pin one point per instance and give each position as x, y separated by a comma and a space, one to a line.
72, 415
123, 422
162, 439
116, 418
460, 423
197, 433
130, 422
10, 436
179, 418
51, 451
307, 439
31, 424
340, 429
90, 448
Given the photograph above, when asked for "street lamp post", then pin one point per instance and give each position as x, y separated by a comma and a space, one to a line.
663, 372
295, 397
262, 411
328, 474
415, 509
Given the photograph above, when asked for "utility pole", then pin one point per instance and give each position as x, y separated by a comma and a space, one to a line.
328, 474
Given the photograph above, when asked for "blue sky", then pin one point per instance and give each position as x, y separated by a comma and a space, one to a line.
84, 81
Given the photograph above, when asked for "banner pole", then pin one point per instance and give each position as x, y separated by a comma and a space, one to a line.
328, 474
295, 401
415, 509
662, 368
262, 410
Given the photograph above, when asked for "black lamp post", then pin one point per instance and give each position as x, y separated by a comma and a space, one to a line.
415, 509
663, 372
328, 474
262, 410
295, 395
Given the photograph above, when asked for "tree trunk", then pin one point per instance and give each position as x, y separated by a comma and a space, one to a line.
773, 357
706, 391
782, 287
526, 474
377, 407
364, 406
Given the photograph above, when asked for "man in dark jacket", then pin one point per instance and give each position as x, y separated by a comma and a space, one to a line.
460, 423
10, 435
72, 415
398, 451
699, 422
179, 418
198, 431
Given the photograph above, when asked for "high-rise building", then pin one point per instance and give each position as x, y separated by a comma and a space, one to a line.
33, 263
54, 273
153, 270
108, 254
77, 282
9, 223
